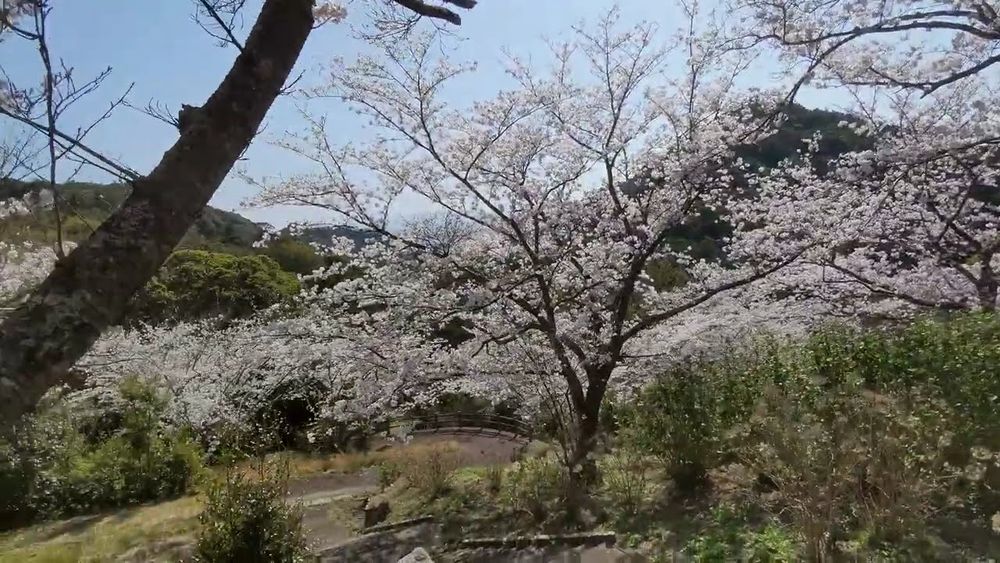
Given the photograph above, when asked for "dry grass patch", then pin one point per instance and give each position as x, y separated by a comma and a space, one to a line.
304, 465
145, 533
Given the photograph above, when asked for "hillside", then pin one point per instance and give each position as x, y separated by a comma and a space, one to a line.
89, 204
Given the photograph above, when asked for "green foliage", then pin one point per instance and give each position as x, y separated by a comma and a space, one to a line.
426, 469
536, 487
493, 477
769, 545
431, 472
52, 468
626, 480
802, 123
246, 519
847, 430
709, 548
224, 231
293, 255
195, 284
387, 473
729, 537
847, 458
683, 418
947, 367
666, 275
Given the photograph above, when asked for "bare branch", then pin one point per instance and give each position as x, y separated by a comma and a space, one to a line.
226, 27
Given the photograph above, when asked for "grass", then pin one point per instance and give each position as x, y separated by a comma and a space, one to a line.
144, 533
158, 532
304, 465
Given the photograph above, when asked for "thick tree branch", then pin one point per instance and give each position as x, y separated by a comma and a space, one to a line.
437, 12
88, 290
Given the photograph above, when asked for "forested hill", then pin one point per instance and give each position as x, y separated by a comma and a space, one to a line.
88, 204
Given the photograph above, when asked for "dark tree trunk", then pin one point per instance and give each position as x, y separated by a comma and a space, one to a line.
988, 285
88, 290
583, 465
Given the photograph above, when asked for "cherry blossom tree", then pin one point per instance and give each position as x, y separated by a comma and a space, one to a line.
922, 45
572, 184
915, 220
88, 290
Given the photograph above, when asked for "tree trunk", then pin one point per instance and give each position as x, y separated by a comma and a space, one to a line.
987, 287
88, 290
583, 466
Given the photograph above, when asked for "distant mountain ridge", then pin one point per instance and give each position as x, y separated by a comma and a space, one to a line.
226, 231
215, 229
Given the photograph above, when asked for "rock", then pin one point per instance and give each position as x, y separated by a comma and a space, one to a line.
376, 511
418, 555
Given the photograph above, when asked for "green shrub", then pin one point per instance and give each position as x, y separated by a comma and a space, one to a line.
247, 519
709, 548
51, 468
687, 415
729, 536
684, 416
196, 284
626, 481
493, 477
293, 255
769, 545
536, 487
427, 469
848, 430
388, 472
430, 471
851, 459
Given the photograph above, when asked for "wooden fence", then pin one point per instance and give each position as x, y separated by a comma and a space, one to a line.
476, 423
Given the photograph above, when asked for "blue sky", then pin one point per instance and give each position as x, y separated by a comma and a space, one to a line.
156, 45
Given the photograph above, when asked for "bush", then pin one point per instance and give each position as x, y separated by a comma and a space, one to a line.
432, 471
246, 519
626, 480
850, 459
52, 469
293, 255
493, 477
770, 545
852, 433
197, 284
729, 536
537, 487
684, 416
425, 468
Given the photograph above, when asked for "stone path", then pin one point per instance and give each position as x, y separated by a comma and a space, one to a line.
317, 496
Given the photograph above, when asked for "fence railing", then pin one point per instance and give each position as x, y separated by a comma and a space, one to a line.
461, 422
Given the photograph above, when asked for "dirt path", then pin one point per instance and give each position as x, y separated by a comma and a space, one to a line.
332, 502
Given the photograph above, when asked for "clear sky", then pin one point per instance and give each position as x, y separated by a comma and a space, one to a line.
156, 45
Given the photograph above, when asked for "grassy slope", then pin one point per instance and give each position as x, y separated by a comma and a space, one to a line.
162, 532
144, 533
